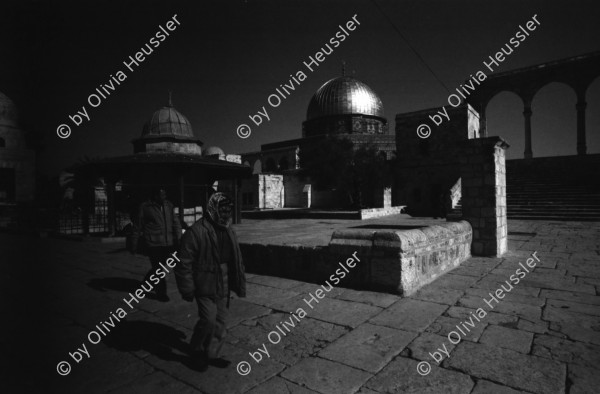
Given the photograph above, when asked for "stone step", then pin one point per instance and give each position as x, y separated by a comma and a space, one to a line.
562, 218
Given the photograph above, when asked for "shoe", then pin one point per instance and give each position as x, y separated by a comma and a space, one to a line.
219, 362
199, 361
163, 298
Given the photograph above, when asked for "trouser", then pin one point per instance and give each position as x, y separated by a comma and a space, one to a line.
158, 254
210, 330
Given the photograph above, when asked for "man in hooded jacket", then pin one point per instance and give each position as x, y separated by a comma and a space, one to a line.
210, 268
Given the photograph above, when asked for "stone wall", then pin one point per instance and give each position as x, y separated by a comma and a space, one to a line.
428, 168
380, 212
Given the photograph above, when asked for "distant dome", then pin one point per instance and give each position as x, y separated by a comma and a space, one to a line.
168, 122
8, 111
344, 96
213, 150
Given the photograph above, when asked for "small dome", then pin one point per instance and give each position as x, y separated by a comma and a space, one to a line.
344, 96
8, 111
168, 122
213, 150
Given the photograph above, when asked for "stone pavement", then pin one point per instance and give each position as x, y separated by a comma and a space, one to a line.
542, 337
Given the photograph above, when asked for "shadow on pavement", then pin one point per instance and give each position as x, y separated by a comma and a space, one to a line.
155, 338
119, 284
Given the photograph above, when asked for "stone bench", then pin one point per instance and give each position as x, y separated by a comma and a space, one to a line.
402, 261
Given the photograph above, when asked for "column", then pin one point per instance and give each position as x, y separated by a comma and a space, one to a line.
483, 183
237, 198
110, 201
180, 201
581, 145
527, 114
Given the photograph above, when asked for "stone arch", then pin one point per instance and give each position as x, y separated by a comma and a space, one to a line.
553, 123
578, 72
504, 118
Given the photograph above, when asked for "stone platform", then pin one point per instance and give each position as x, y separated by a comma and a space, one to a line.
541, 337
399, 255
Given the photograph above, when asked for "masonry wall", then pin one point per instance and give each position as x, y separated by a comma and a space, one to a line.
428, 167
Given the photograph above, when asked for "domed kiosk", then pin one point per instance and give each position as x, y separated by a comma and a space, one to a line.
168, 131
167, 154
344, 105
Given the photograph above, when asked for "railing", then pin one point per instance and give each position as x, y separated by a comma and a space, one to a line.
72, 222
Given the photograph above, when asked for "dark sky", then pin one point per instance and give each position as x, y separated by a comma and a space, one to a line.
227, 57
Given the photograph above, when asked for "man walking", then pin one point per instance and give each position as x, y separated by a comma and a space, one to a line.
210, 268
160, 230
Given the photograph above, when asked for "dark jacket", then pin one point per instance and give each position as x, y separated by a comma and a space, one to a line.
157, 227
198, 272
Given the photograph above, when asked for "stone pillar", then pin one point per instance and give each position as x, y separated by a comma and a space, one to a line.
527, 113
483, 175
237, 195
581, 145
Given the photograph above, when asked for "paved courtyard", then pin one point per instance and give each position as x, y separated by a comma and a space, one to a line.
543, 336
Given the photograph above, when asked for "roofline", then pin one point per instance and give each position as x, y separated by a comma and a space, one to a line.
552, 63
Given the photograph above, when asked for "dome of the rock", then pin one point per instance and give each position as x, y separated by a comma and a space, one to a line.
344, 96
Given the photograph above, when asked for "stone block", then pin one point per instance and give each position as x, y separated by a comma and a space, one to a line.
507, 338
401, 376
409, 315
510, 368
368, 347
326, 376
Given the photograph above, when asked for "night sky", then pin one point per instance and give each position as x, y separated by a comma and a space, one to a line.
226, 57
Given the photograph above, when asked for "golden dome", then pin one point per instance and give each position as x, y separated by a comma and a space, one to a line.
344, 96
